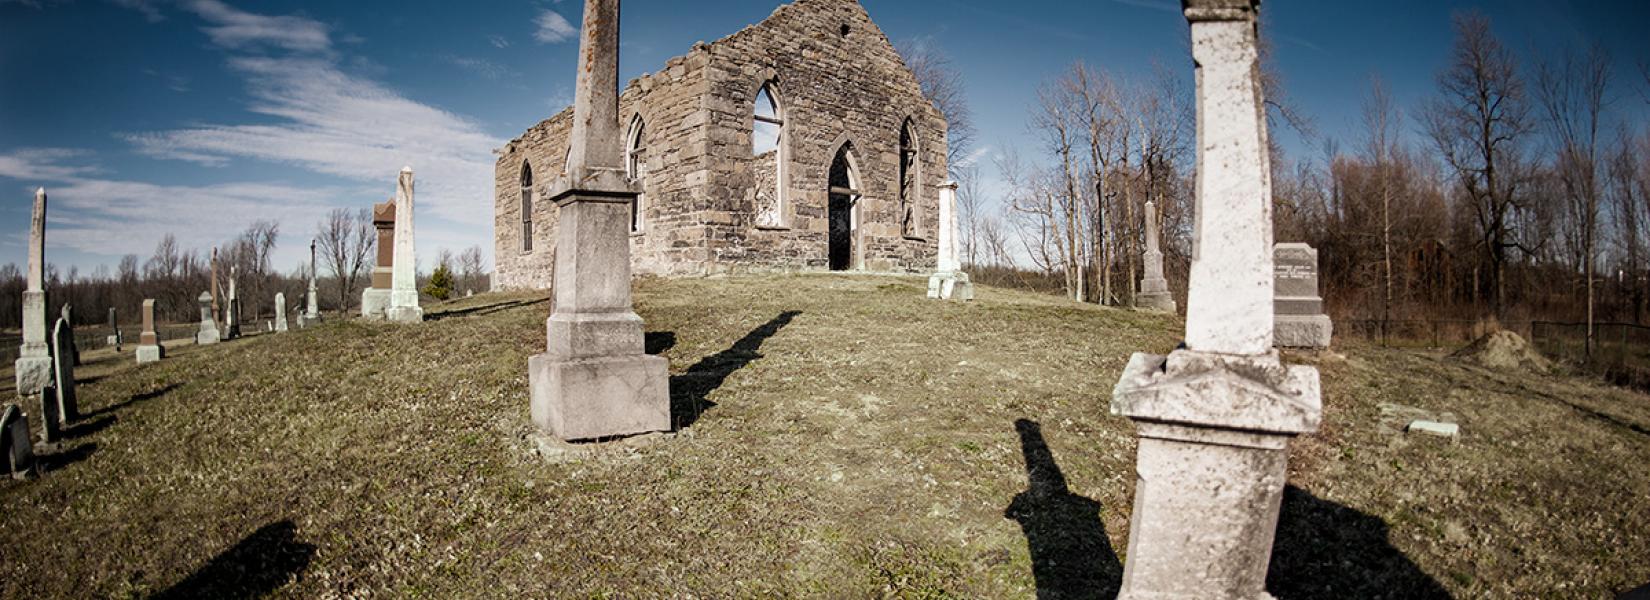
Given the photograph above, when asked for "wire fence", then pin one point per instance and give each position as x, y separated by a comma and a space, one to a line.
1415, 333
1620, 351
90, 338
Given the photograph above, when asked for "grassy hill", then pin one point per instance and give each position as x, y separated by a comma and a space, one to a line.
840, 436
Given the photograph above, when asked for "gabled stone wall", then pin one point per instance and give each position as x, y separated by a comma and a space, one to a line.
699, 201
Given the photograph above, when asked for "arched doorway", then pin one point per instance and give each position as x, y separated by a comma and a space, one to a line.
843, 209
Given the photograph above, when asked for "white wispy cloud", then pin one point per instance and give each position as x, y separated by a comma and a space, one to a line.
553, 28
334, 122
498, 41
238, 29
482, 67
43, 164
145, 7
973, 157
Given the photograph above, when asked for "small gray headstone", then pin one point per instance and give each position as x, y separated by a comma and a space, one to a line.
51, 429
1298, 319
15, 442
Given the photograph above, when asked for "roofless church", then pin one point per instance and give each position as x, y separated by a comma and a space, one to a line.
801, 143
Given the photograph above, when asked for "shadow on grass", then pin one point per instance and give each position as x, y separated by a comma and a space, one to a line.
689, 390
258, 565
1071, 557
85, 428
1639, 593
1326, 550
135, 399
485, 309
58, 460
659, 342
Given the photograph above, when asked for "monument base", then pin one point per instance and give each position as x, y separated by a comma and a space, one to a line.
1161, 301
404, 314
148, 354
950, 286
1302, 331
1211, 466
34, 373
203, 338
374, 302
594, 398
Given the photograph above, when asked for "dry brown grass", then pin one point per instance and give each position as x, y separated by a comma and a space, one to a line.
855, 440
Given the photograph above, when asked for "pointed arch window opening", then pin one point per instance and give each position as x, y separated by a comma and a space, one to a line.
910, 182
843, 209
526, 207
635, 163
770, 153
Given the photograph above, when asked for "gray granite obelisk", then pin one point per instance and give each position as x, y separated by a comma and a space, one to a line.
404, 285
1154, 288
312, 303
949, 282
149, 349
594, 380
34, 362
1215, 418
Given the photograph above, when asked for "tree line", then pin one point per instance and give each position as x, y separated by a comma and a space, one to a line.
175, 276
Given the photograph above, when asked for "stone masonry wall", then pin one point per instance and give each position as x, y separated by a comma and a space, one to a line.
699, 196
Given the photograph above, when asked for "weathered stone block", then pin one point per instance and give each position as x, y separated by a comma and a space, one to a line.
591, 398
148, 353
1297, 331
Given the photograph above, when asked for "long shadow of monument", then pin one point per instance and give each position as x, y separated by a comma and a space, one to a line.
134, 399
485, 309
689, 390
1071, 557
1326, 550
258, 565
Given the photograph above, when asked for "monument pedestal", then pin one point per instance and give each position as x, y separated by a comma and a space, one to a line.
954, 285
374, 302
1154, 288
600, 397
1302, 331
148, 354
1213, 458
34, 362
34, 373
407, 312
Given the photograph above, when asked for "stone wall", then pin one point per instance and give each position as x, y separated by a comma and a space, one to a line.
839, 82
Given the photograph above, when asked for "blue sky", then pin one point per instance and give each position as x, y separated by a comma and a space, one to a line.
197, 117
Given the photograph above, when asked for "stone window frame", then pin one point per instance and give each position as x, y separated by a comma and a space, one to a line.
769, 81
527, 202
634, 140
911, 200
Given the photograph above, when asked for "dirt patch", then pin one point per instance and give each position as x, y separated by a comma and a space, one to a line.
1504, 351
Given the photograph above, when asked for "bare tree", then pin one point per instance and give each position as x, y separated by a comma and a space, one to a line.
345, 241
1381, 118
942, 83
471, 269
1477, 122
1572, 94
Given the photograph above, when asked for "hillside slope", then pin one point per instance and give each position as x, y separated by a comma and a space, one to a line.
841, 436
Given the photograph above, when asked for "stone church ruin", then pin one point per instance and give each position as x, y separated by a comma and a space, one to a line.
801, 143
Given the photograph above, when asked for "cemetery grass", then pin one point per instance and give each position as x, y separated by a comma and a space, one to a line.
839, 437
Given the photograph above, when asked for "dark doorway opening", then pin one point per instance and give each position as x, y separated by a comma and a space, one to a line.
844, 206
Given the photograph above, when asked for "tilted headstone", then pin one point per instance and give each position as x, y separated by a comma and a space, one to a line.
280, 312
114, 329
949, 282
376, 298
149, 349
1154, 288
51, 417
74, 349
1299, 321
15, 442
68, 409
1215, 418
404, 281
594, 380
208, 333
34, 361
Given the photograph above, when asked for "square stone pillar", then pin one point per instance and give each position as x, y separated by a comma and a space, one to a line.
949, 282
312, 310
148, 349
594, 380
34, 362
404, 281
1154, 288
1216, 417
376, 298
